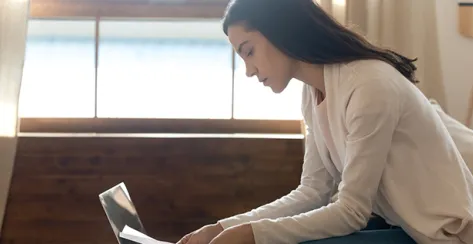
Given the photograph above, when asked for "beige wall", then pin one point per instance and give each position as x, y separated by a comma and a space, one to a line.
456, 54
13, 23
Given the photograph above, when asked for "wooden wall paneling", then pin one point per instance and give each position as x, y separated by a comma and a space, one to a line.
177, 184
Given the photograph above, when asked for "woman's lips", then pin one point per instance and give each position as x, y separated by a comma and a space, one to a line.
264, 81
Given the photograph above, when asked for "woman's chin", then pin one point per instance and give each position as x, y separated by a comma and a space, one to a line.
277, 90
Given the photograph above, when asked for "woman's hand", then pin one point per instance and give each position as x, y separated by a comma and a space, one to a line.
203, 235
242, 234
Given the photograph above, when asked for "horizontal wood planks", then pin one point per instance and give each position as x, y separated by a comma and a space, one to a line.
177, 184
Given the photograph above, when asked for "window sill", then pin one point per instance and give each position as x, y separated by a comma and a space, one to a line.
189, 127
162, 135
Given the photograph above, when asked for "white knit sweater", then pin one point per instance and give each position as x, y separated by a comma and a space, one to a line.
398, 161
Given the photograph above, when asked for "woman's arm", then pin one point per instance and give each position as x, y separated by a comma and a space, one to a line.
371, 118
313, 192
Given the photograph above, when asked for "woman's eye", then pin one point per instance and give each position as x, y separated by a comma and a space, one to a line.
250, 53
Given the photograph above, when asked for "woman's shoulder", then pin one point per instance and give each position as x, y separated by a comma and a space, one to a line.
369, 69
370, 75
364, 83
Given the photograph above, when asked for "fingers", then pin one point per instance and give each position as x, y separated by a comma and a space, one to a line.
185, 239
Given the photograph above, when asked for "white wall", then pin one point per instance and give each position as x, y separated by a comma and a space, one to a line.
456, 54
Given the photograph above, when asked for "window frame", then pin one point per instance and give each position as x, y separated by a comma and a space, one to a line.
127, 9
131, 125
142, 9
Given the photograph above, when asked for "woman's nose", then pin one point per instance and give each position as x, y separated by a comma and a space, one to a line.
250, 70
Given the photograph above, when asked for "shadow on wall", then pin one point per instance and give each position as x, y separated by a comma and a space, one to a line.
469, 112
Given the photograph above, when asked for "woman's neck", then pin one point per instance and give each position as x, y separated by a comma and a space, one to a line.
311, 74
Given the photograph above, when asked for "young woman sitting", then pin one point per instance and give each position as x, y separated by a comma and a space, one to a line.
371, 134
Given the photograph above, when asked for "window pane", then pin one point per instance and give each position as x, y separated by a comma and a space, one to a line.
164, 69
58, 76
255, 101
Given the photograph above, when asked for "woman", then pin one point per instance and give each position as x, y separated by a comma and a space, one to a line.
371, 135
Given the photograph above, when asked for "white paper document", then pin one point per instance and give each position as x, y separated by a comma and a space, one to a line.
136, 236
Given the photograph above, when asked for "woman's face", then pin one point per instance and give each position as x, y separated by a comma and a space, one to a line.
272, 67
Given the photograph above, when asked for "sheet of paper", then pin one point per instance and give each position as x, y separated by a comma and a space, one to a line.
136, 236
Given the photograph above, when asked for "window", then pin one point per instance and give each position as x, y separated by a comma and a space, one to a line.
58, 75
164, 69
97, 64
146, 69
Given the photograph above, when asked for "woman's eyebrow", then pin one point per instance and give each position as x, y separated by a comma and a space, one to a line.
241, 46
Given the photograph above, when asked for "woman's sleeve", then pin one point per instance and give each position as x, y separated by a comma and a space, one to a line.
371, 118
313, 191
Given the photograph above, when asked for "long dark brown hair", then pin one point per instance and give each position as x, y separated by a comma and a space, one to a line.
304, 31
